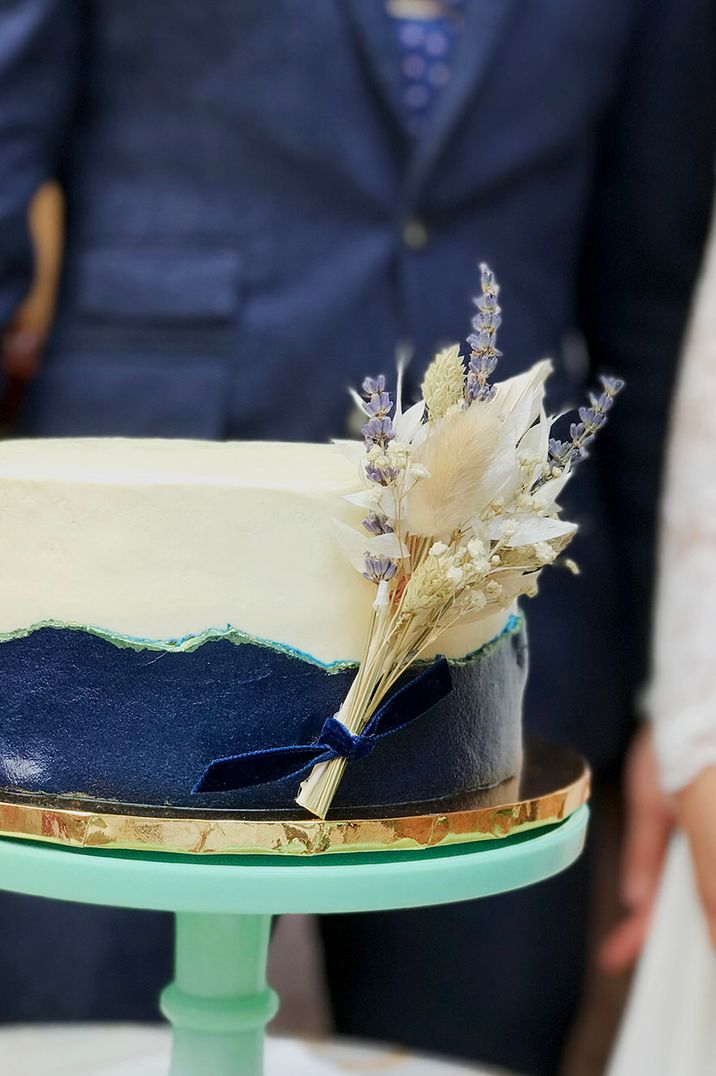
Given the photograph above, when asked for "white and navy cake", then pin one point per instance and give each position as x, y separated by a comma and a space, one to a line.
242, 626
169, 603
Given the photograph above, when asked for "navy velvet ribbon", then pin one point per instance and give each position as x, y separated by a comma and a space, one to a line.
400, 709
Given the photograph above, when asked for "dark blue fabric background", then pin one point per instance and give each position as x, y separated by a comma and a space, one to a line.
239, 179
81, 715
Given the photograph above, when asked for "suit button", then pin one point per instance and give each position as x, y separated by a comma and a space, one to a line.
415, 233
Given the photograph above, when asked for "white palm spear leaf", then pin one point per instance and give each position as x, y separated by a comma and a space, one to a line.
513, 585
545, 497
522, 395
353, 451
356, 545
528, 529
408, 423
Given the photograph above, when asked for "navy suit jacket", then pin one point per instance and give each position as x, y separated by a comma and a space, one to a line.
242, 241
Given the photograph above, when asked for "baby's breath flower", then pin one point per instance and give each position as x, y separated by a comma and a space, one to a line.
469, 601
478, 553
398, 454
444, 383
524, 501
419, 471
509, 527
544, 552
437, 549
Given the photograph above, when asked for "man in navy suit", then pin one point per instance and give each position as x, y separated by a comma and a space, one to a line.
264, 201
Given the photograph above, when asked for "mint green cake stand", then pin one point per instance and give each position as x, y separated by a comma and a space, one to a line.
219, 1003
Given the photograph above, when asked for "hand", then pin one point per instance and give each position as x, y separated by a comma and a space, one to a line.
696, 812
24, 337
21, 349
649, 821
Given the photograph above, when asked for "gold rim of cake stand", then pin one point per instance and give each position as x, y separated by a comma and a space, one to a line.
555, 782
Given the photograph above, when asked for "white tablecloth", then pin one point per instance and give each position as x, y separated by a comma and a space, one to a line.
127, 1050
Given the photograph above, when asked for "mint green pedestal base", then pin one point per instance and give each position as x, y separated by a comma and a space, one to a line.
219, 1002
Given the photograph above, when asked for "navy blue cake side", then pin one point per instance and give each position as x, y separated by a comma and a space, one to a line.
81, 716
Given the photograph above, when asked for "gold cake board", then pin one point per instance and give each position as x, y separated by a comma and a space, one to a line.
553, 784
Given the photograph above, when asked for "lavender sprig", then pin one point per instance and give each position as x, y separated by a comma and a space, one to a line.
378, 431
382, 476
591, 419
377, 404
377, 523
379, 567
484, 355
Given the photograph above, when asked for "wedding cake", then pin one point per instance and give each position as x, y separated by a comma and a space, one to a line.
167, 603
254, 626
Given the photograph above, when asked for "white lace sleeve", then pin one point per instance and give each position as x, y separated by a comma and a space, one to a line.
682, 696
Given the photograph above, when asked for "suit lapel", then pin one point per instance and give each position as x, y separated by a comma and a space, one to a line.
375, 35
485, 21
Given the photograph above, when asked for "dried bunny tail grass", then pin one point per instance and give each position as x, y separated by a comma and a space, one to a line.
444, 384
466, 467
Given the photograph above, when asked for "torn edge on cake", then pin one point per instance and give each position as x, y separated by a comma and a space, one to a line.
187, 643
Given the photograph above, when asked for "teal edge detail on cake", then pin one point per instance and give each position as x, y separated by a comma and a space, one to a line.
188, 643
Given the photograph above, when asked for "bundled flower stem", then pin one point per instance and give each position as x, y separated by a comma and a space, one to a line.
460, 493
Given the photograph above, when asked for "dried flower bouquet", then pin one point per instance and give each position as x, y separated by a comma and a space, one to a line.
460, 493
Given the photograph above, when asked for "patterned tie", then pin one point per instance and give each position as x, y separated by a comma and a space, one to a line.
426, 31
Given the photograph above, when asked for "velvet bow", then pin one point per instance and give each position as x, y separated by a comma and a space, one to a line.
398, 711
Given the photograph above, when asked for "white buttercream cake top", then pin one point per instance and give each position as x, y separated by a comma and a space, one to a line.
159, 539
